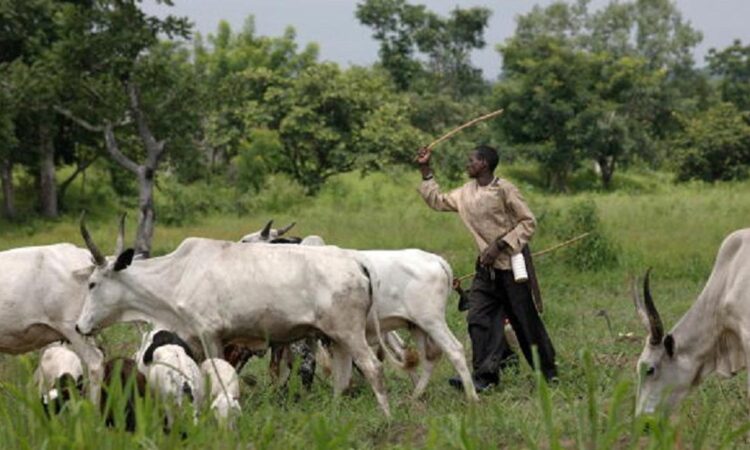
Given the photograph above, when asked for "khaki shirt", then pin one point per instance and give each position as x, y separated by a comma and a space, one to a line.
492, 212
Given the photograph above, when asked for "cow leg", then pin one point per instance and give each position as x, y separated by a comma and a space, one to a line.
307, 363
439, 332
280, 365
398, 348
285, 366
94, 360
371, 368
429, 355
341, 368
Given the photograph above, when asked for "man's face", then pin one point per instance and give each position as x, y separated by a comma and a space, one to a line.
475, 165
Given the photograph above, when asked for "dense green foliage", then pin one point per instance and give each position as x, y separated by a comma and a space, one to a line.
715, 145
92, 85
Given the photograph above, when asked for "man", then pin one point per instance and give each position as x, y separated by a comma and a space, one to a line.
502, 224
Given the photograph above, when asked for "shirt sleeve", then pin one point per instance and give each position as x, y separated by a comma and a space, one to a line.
519, 235
430, 192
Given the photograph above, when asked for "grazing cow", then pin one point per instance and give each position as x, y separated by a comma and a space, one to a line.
713, 336
60, 372
121, 375
224, 385
220, 292
42, 294
412, 291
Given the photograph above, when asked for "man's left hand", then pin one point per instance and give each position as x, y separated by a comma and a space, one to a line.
489, 255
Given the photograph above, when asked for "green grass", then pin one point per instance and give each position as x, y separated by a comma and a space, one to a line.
676, 229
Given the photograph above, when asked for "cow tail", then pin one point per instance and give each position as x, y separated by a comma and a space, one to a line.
448, 272
372, 276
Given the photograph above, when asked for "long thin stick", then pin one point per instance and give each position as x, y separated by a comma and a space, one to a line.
560, 245
543, 252
466, 125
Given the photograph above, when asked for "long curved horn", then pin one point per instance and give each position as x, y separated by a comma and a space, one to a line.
95, 252
266, 232
638, 302
286, 228
121, 235
656, 326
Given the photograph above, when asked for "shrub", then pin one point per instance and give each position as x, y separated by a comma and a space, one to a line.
715, 145
596, 251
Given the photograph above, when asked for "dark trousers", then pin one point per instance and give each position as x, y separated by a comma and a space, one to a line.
494, 296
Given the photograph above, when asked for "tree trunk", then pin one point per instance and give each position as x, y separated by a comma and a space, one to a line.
608, 169
47, 182
80, 170
6, 174
146, 212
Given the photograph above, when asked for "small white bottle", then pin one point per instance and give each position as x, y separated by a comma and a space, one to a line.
518, 265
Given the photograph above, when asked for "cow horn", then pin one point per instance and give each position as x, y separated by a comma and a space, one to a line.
656, 326
638, 302
266, 232
286, 228
95, 252
121, 235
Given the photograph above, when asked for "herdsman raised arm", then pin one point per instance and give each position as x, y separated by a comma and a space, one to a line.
501, 224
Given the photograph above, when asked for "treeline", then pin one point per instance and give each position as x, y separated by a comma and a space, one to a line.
100, 85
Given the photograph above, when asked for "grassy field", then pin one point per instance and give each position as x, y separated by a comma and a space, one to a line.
648, 222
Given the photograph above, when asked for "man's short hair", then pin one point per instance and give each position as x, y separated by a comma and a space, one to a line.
489, 155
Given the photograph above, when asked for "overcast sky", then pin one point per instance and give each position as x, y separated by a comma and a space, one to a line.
332, 24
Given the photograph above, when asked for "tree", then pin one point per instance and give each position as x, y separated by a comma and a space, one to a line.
134, 87
733, 66
8, 143
405, 31
599, 85
331, 121
715, 145
547, 86
235, 71
28, 29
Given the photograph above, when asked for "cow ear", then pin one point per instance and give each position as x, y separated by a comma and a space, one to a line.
669, 345
84, 273
124, 259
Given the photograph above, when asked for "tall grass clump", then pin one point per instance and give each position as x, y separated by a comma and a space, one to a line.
597, 251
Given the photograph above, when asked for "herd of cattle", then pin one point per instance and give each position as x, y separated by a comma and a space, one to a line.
209, 296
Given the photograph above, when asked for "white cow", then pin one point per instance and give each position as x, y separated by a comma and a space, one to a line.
411, 292
170, 370
42, 295
222, 292
224, 385
59, 369
713, 336
266, 234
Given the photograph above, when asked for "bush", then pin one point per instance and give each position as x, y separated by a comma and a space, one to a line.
179, 204
596, 251
715, 145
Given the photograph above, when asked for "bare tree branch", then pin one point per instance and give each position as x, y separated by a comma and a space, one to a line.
154, 149
114, 150
83, 123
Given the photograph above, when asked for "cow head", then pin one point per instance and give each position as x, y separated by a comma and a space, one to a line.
103, 304
664, 377
267, 234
